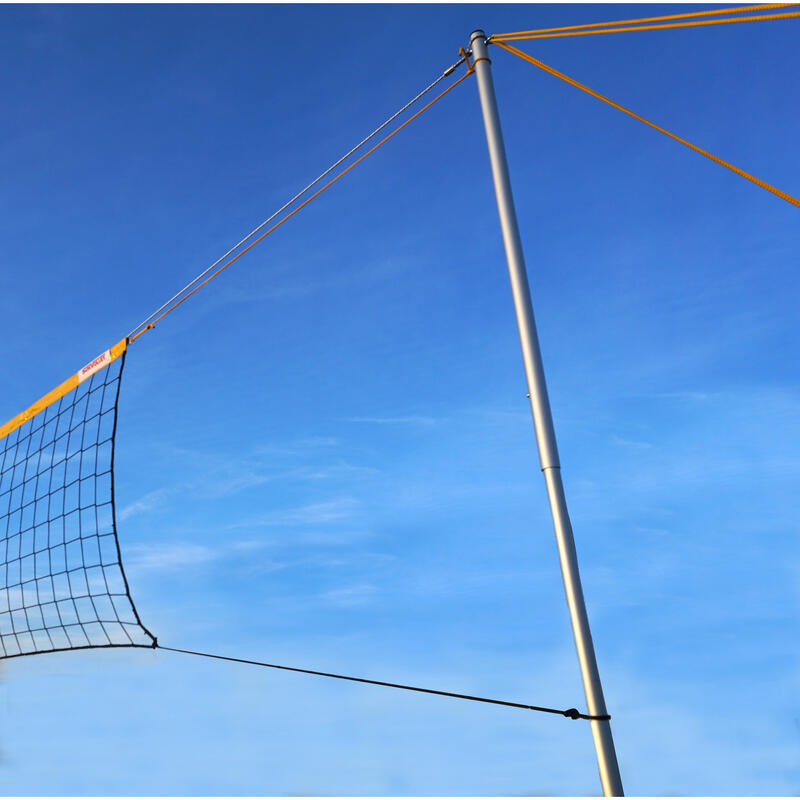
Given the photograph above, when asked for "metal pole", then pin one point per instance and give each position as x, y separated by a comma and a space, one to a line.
543, 422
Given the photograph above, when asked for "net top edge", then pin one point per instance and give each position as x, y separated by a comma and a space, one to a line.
54, 395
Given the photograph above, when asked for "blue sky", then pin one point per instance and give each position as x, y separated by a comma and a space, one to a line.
326, 459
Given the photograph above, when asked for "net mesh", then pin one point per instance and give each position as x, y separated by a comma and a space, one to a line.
62, 585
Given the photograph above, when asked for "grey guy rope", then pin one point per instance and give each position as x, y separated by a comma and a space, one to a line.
448, 71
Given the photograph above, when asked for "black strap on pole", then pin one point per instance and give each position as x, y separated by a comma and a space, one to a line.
571, 713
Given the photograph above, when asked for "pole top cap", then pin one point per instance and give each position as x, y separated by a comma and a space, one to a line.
476, 34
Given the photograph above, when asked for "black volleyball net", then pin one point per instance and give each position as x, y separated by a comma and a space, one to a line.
62, 585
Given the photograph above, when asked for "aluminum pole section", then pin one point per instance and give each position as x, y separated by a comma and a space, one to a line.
543, 422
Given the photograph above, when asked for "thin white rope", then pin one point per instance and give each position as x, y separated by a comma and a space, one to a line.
448, 71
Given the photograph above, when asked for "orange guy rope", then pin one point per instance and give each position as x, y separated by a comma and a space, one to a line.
118, 349
498, 39
716, 11
757, 181
304, 203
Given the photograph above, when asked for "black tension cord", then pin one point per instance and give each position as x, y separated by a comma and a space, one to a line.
571, 713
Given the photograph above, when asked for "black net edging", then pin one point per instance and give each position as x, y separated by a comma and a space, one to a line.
62, 585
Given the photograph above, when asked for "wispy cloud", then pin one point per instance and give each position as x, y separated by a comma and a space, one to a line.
321, 513
186, 555
340, 468
685, 396
350, 596
313, 442
284, 284
232, 483
407, 420
169, 556
630, 443
146, 503
337, 538
214, 477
